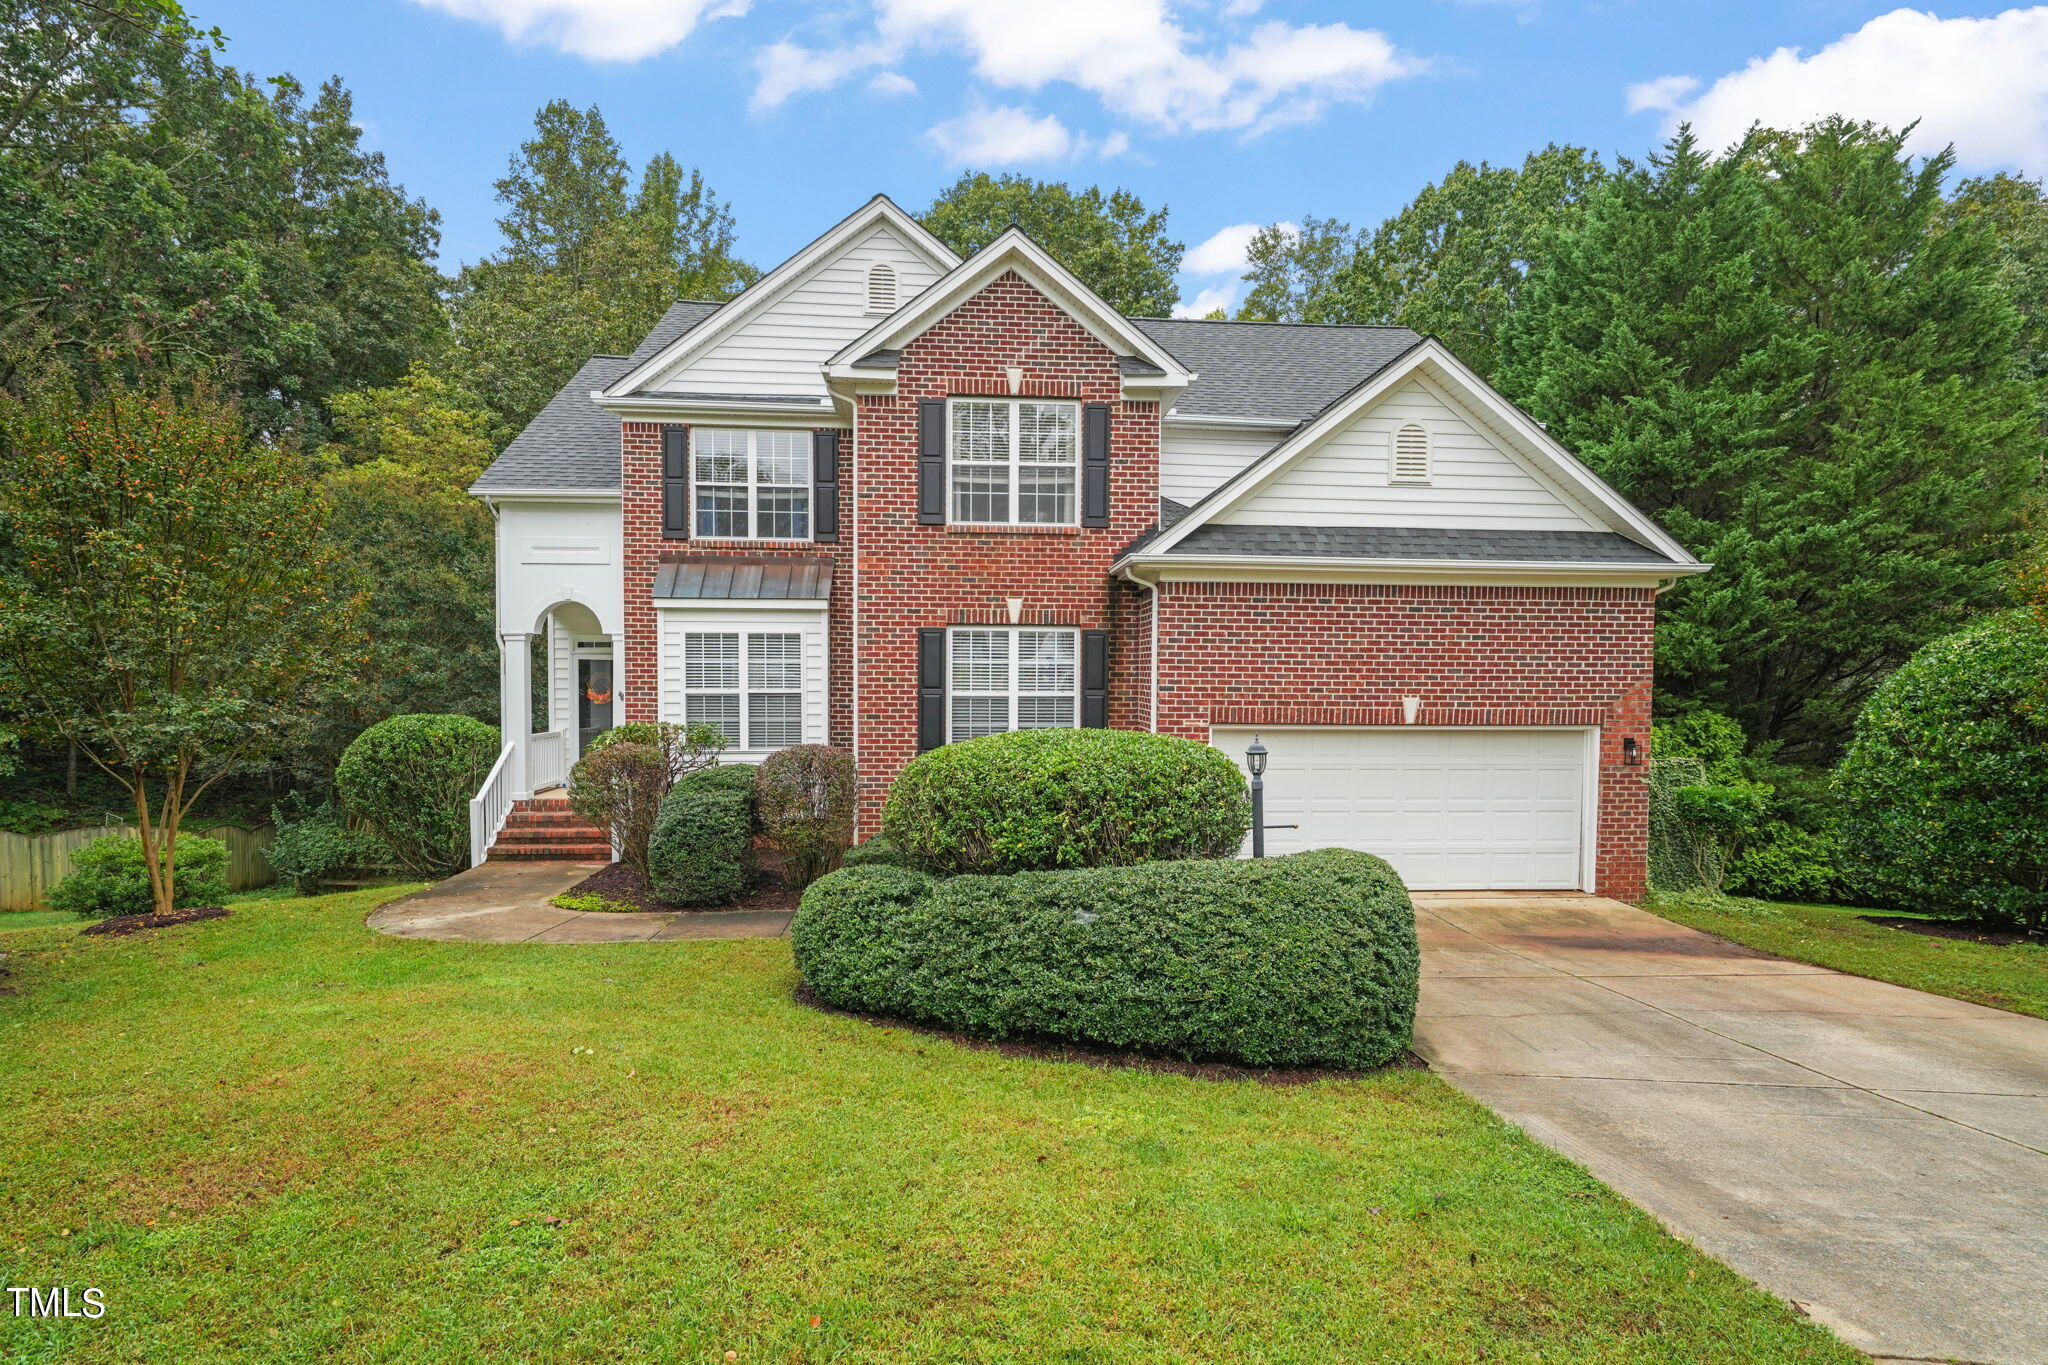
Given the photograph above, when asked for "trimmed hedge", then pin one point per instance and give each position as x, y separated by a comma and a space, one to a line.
702, 850
1043, 799
1306, 960
410, 778
110, 877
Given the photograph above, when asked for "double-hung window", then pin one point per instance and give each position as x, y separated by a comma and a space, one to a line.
751, 485
750, 684
1002, 680
1014, 461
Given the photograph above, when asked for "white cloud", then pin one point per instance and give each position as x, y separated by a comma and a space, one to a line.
1207, 301
1979, 83
892, 83
1002, 136
784, 69
601, 30
1222, 253
1138, 60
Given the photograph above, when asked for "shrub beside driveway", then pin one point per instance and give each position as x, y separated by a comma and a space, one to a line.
280, 1137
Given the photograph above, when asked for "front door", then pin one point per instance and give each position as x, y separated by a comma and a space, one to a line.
593, 700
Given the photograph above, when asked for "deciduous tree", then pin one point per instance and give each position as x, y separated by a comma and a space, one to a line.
1117, 246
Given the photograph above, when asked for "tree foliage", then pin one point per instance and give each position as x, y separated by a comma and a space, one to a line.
1291, 268
172, 601
410, 778
167, 212
804, 796
1772, 354
1451, 264
1117, 246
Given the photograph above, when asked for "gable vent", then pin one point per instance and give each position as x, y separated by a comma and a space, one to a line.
1411, 456
881, 287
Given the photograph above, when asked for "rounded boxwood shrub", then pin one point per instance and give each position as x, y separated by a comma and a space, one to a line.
410, 779
1042, 799
1306, 960
702, 850
1944, 785
108, 877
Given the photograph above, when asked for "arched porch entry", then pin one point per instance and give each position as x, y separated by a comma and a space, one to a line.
558, 690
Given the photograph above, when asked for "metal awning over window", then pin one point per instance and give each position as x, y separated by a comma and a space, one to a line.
744, 578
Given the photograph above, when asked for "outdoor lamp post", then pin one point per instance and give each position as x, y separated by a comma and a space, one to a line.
1255, 762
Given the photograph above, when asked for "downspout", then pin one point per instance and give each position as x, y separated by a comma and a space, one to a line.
1153, 707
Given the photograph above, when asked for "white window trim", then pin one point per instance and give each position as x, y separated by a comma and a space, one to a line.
679, 617
1015, 464
753, 486
1013, 694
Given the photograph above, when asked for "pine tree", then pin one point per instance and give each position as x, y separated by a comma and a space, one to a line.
1772, 353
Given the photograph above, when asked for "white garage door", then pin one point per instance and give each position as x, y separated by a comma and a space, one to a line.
1450, 809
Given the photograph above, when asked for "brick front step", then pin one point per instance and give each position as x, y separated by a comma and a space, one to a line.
534, 819
503, 851
565, 834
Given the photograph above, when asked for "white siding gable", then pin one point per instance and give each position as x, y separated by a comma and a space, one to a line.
1194, 460
1474, 481
780, 348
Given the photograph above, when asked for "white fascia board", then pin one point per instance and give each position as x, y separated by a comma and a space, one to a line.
1014, 251
653, 408
815, 606
1150, 569
877, 211
1192, 419
545, 494
1427, 352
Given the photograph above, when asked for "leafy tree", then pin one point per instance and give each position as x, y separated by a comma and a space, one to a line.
1773, 354
586, 269
1944, 785
422, 427
168, 213
1452, 263
2015, 212
1290, 267
172, 600
1117, 246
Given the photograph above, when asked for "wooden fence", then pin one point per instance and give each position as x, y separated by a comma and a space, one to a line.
31, 864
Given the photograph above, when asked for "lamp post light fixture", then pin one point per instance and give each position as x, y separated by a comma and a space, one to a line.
1255, 763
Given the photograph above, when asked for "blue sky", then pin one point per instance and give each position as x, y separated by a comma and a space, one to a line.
1233, 112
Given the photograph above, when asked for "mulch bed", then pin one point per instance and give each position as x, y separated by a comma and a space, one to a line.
617, 882
1052, 1050
1964, 930
136, 924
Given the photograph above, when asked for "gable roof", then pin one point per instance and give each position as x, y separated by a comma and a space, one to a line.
1281, 372
878, 211
1428, 355
572, 445
1013, 249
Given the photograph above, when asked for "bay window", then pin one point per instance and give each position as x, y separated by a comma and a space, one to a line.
749, 684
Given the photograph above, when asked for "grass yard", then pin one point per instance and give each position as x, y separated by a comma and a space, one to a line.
2011, 977
35, 919
281, 1137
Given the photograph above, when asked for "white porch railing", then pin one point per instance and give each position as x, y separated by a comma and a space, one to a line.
489, 807
547, 760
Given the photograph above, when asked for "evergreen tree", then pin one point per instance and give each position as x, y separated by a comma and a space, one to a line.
1451, 263
1773, 354
1117, 246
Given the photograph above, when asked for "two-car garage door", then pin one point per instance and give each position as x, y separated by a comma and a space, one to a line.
1464, 809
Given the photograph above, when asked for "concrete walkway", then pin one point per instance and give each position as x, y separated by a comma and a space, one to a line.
507, 902
1873, 1153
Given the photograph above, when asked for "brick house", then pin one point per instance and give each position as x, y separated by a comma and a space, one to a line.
888, 498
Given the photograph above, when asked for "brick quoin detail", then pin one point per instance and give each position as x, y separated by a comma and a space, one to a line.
1345, 654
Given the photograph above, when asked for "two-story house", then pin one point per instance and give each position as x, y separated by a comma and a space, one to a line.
888, 498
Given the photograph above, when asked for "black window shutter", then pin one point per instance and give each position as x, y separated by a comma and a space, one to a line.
931, 687
931, 461
675, 483
825, 485
1094, 679
1095, 464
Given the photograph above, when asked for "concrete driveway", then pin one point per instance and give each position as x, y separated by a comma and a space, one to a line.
1872, 1153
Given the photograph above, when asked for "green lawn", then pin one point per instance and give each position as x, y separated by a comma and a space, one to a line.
2010, 978
35, 919
280, 1137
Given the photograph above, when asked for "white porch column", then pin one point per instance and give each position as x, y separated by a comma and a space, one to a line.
515, 705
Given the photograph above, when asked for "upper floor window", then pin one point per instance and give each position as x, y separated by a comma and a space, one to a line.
881, 287
1014, 461
1006, 679
751, 485
1411, 456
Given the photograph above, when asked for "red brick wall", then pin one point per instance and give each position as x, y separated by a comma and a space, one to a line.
1329, 654
914, 575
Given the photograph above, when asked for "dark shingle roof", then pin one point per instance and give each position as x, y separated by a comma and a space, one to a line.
572, 445
1278, 371
1414, 542
742, 577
